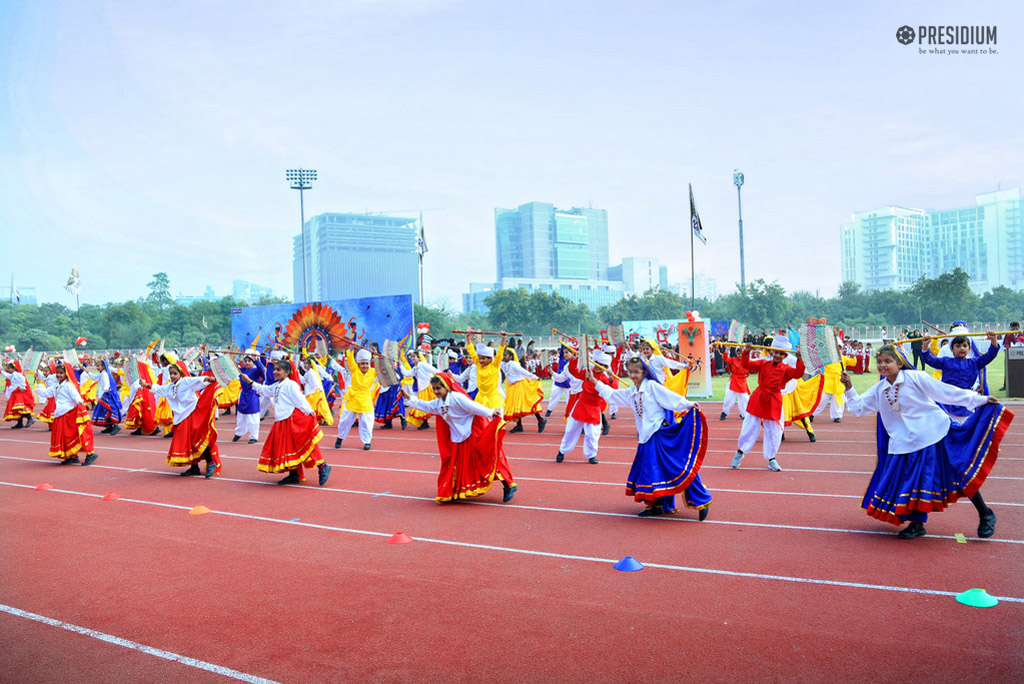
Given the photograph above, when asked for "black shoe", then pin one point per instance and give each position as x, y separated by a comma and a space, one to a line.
547, 413
987, 524
592, 459
211, 467
137, 432
192, 470
154, 433
404, 422
541, 424
811, 418
169, 435
914, 529
560, 457
227, 412
106, 430
811, 436
424, 426
325, 472
69, 461
292, 478
236, 438
30, 422
252, 441
517, 428
366, 447
723, 416
703, 513
509, 491
783, 437
612, 417
651, 511
90, 459
387, 426
837, 420
337, 443
18, 425
605, 427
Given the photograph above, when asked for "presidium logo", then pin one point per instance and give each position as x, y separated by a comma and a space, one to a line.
962, 40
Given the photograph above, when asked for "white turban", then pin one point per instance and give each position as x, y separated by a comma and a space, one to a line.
609, 349
600, 357
485, 351
363, 355
276, 355
781, 343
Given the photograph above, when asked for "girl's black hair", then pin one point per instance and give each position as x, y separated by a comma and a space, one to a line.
285, 365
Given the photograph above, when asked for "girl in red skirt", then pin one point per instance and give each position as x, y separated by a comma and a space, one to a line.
21, 403
193, 403
49, 371
294, 439
71, 430
469, 439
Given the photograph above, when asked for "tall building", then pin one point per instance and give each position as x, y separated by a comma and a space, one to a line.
539, 241
357, 255
892, 247
640, 274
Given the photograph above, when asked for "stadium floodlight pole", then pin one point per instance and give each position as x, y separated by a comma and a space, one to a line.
302, 179
737, 179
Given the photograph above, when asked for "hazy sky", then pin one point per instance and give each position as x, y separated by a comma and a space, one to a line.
141, 136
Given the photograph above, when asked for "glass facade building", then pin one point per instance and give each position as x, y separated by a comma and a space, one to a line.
892, 247
538, 240
357, 255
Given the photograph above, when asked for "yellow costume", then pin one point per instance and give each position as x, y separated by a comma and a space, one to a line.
229, 395
359, 397
522, 396
317, 399
487, 378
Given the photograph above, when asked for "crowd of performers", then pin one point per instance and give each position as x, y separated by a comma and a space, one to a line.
938, 436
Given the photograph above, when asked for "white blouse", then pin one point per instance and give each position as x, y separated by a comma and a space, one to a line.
15, 381
514, 372
286, 396
457, 410
422, 372
181, 396
658, 364
649, 402
908, 409
66, 396
101, 378
311, 382
467, 378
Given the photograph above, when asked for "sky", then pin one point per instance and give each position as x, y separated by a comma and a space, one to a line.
141, 136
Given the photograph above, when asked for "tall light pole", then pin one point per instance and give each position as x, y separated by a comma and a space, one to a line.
737, 179
302, 179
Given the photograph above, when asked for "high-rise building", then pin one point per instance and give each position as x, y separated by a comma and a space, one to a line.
357, 255
640, 274
539, 241
892, 247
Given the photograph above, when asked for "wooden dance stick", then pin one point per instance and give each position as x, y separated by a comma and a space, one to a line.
482, 332
945, 335
754, 346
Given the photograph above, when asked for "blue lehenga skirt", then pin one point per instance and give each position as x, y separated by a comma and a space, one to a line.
108, 410
906, 487
668, 463
390, 404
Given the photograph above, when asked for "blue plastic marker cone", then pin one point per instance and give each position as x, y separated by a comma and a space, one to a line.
977, 598
629, 564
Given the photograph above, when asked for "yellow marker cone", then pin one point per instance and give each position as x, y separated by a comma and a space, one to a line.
199, 510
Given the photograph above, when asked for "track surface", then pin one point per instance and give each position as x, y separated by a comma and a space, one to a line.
786, 580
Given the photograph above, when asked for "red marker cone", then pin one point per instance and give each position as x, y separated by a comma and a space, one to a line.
399, 538
199, 510
110, 496
43, 486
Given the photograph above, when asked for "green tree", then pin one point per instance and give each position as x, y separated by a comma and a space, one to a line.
159, 291
509, 310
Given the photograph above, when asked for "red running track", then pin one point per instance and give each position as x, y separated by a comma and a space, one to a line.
787, 580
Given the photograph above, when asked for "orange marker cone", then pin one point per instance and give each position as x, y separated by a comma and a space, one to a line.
199, 510
399, 538
110, 496
43, 486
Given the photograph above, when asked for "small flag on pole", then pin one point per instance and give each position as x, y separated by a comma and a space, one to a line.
15, 295
698, 230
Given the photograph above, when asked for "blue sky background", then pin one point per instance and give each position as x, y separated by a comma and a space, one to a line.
138, 137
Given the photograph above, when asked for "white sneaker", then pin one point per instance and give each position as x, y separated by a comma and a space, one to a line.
736, 459
774, 465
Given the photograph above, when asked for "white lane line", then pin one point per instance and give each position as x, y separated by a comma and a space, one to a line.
547, 509
549, 554
432, 473
149, 650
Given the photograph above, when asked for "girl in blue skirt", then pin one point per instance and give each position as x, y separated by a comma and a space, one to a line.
925, 460
669, 453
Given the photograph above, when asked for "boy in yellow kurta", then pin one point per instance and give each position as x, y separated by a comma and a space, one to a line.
358, 399
488, 372
833, 391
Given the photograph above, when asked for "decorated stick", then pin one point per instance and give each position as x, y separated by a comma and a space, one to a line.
483, 332
933, 327
752, 346
945, 335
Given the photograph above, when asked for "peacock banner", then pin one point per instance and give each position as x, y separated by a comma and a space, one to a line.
336, 323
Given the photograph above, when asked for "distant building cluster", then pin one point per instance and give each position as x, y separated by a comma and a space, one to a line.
19, 295
890, 248
244, 291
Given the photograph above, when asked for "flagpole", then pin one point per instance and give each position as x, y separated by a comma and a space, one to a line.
692, 275
78, 306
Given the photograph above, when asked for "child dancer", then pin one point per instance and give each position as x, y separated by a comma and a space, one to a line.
194, 437
959, 370
293, 441
765, 407
108, 402
488, 373
799, 399
421, 372
313, 388
247, 411
390, 404
560, 381
737, 391
49, 371
469, 439
21, 403
164, 415
926, 461
585, 408
669, 454
832, 392
358, 398
71, 431
524, 393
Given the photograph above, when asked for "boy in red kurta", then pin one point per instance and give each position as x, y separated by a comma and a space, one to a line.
765, 406
585, 408
737, 390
